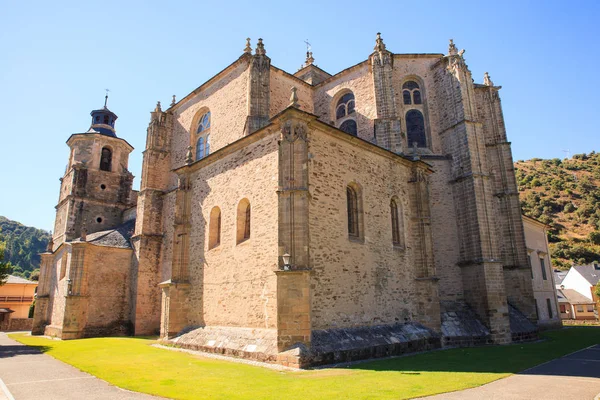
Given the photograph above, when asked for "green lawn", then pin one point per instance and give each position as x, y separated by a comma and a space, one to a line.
133, 364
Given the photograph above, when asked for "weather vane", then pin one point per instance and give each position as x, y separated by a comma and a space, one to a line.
106, 97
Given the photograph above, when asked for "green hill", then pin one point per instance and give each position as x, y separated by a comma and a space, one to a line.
23, 244
564, 194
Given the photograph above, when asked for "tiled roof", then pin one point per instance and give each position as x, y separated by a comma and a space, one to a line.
18, 279
572, 296
117, 237
559, 276
589, 272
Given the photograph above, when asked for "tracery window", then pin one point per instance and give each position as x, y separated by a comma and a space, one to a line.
345, 115
203, 141
415, 128
243, 221
411, 93
214, 228
106, 159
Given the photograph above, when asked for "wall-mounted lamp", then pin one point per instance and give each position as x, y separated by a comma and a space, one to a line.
286, 261
69, 286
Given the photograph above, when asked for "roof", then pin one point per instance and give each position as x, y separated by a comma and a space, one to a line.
5, 310
118, 237
591, 273
559, 276
19, 280
572, 296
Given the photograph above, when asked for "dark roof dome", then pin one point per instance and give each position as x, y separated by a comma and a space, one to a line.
103, 122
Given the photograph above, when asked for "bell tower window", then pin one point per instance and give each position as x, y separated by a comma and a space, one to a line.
106, 159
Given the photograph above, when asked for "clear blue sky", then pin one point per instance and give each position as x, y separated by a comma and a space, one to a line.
56, 59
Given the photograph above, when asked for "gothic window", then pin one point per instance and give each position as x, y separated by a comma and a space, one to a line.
354, 211
345, 115
204, 123
202, 147
203, 141
415, 128
411, 93
214, 228
105, 159
243, 221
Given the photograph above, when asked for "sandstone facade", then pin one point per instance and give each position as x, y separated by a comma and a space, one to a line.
307, 218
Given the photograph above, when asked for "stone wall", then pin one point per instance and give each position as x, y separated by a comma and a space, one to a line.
367, 280
233, 284
358, 80
20, 324
108, 290
281, 84
226, 99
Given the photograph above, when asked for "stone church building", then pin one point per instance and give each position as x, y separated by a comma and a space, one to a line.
302, 218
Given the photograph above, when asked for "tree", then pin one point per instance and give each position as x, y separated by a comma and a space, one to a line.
4, 266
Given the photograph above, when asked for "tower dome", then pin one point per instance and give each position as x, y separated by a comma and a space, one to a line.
103, 121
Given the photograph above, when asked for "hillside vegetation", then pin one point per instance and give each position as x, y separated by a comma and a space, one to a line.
564, 194
22, 245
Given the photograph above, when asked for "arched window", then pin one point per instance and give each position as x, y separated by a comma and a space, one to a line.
397, 223
411, 93
349, 126
415, 128
243, 221
354, 210
214, 228
106, 159
345, 115
352, 200
203, 141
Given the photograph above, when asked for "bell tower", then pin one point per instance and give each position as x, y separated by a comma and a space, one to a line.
96, 187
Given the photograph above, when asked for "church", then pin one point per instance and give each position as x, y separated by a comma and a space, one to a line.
301, 219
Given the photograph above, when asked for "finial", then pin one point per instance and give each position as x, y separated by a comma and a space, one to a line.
294, 98
189, 157
50, 245
260, 48
157, 109
309, 58
379, 45
415, 153
248, 48
486, 80
173, 102
106, 97
452, 48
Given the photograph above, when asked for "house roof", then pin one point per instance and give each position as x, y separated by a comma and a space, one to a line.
559, 276
118, 237
18, 279
591, 273
572, 296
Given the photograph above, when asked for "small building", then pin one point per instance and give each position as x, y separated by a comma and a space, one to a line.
16, 296
544, 292
574, 305
577, 289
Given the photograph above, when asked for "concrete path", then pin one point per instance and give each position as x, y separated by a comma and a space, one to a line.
574, 376
26, 373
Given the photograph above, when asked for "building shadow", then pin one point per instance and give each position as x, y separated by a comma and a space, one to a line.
558, 353
21, 350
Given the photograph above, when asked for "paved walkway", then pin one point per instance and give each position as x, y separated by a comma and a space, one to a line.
26, 374
574, 376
